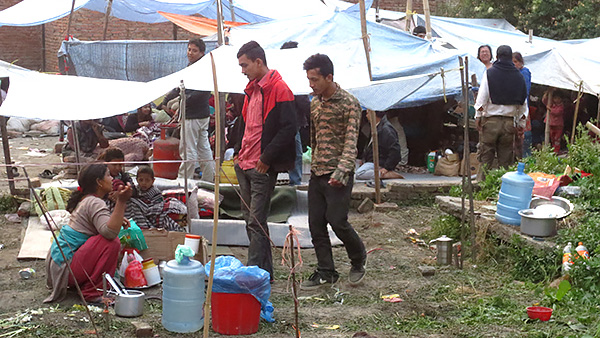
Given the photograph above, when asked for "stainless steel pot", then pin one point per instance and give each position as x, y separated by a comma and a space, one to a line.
130, 304
534, 225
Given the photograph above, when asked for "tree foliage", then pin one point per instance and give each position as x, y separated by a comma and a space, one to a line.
554, 19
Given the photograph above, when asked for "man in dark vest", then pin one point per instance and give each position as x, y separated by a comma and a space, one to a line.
501, 107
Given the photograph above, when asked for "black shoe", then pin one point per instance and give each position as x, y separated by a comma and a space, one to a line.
357, 274
315, 281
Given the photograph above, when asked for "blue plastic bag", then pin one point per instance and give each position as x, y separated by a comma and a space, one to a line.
231, 276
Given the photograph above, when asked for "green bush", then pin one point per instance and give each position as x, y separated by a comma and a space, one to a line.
8, 204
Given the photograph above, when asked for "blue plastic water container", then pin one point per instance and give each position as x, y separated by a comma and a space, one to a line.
183, 296
515, 195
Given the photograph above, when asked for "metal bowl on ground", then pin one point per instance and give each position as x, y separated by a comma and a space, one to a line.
557, 201
130, 304
534, 224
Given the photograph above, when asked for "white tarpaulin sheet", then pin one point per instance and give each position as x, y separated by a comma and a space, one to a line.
35, 95
37, 12
552, 63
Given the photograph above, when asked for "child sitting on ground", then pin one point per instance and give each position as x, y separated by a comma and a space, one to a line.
149, 206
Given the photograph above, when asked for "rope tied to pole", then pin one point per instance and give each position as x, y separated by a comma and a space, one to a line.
443, 75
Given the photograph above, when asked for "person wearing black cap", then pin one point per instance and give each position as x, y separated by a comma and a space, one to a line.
500, 108
420, 31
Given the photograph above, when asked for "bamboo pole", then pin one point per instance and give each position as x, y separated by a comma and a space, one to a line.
294, 286
547, 127
468, 164
219, 24
231, 10
183, 122
598, 115
427, 18
408, 19
108, 9
365, 37
466, 152
174, 32
579, 95
213, 253
375, 142
70, 19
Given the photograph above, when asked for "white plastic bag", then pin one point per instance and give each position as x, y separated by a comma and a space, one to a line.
60, 217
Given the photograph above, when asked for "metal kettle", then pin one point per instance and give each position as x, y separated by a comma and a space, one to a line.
444, 250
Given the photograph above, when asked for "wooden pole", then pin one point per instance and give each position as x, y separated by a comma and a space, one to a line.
468, 164
531, 36
579, 95
232, 10
547, 127
375, 142
294, 286
183, 122
408, 19
70, 19
466, 152
365, 37
427, 18
108, 9
598, 114
214, 242
174, 32
219, 23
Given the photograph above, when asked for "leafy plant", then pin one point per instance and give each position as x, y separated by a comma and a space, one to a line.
8, 204
556, 295
531, 264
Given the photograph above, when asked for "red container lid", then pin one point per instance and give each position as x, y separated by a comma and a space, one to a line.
192, 236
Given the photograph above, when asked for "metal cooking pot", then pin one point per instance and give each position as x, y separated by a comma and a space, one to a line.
130, 304
534, 225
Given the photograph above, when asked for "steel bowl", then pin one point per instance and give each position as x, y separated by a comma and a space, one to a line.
130, 304
534, 225
561, 202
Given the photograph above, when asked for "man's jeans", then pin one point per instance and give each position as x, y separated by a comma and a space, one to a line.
256, 190
327, 204
296, 173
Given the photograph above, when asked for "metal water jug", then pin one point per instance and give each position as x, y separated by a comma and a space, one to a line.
444, 250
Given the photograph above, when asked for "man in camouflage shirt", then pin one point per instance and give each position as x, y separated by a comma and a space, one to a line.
335, 118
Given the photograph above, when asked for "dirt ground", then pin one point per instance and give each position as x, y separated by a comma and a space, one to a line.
338, 311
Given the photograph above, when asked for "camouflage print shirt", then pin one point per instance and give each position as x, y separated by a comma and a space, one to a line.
334, 134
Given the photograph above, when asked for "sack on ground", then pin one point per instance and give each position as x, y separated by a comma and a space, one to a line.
449, 165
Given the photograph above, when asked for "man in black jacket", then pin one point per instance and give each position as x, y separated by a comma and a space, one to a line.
389, 152
197, 116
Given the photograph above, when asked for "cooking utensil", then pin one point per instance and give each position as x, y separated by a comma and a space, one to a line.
130, 305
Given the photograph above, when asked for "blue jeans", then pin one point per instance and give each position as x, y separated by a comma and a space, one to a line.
296, 173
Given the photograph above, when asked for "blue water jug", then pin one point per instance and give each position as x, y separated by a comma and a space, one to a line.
183, 296
515, 195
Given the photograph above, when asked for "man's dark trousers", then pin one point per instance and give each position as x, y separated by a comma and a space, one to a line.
256, 190
327, 204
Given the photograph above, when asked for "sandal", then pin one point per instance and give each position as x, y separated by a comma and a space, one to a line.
47, 174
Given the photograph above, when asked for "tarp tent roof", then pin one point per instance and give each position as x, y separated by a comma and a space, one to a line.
553, 63
395, 53
37, 12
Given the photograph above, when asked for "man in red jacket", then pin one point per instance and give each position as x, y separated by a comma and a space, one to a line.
267, 147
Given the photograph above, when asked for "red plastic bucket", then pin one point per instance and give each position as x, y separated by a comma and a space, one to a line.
234, 313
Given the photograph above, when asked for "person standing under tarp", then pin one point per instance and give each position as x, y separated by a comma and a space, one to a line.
501, 106
335, 120
523, 143
197, 117
267, 147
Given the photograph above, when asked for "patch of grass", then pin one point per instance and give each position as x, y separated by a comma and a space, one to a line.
444, 225
8, 204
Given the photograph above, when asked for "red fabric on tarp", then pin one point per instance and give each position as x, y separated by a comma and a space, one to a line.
198, 25
95, 257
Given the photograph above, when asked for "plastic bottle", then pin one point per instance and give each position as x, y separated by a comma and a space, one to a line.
183, 296
582, 251
514, 195
567, 258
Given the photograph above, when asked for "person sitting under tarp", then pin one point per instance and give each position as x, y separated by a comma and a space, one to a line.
91, 140
89, 241
389, 151
142, 118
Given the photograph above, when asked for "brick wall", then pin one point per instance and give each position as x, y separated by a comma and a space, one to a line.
21, 44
